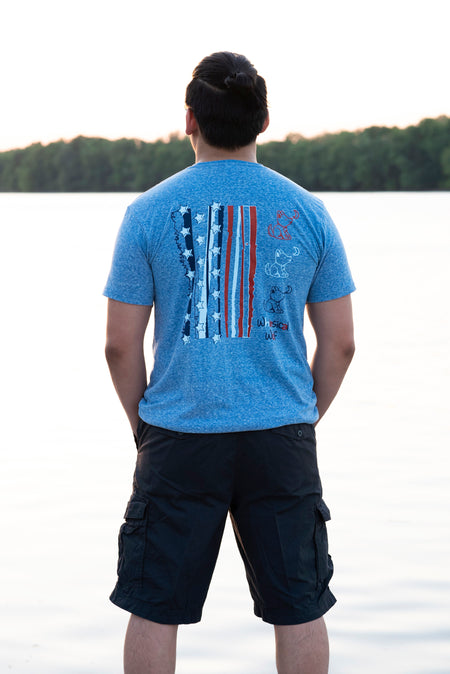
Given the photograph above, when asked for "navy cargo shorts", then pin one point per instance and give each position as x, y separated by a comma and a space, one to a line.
184, 486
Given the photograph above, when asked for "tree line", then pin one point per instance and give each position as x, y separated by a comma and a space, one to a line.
372, 159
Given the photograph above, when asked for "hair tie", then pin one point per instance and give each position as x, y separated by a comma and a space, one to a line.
239, 80
229, 79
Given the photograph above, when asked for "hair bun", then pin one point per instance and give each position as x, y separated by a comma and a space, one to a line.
239, 80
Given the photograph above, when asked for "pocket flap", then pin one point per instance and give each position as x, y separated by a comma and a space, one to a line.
324, 511
135, 510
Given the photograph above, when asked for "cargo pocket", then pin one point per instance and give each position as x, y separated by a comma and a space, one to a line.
132, 544
324, 564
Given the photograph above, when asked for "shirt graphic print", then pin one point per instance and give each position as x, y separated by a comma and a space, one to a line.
218, 252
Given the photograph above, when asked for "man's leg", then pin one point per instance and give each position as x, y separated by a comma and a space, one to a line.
150, 648
302, 649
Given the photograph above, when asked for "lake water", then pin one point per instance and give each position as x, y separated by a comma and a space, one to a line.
67, 456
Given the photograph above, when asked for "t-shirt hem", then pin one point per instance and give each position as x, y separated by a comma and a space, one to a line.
331, 296
120, 298
206, 428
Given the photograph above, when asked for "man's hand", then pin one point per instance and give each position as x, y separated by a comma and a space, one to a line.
333, 324
124, 352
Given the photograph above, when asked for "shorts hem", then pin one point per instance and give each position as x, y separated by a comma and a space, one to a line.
144, 609
295, 616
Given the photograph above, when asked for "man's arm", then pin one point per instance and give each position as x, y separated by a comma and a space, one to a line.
126, 326
333, 325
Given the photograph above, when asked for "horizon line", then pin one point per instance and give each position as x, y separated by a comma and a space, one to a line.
180, 135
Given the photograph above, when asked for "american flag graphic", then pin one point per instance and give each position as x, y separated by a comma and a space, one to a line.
218, 251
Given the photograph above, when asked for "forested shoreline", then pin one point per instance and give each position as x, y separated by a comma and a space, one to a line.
372, 159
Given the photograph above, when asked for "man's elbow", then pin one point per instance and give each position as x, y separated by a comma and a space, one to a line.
114, 351
347, 349
340, 349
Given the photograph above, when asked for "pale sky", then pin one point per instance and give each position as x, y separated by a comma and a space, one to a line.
119, 69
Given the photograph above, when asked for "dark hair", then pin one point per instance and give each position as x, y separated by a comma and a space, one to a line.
228, 99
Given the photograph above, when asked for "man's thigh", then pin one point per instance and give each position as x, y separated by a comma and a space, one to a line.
174, 523
279, 518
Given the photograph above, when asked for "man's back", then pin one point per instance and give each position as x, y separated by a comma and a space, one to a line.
229, 252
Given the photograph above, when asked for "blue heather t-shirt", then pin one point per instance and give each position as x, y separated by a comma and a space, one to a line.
228, 252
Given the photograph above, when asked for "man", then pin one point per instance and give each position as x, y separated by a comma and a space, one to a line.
230, 253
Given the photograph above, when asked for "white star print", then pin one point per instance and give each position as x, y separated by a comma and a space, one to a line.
186, 339
216, 294
183, 210
200, 327
201, 261
216, 316
215, 206
185, 231
200, 305
215, 272
215, 228
187, 317
190, 274
216, 338
187, 253
216, 250
200, 240
199, 217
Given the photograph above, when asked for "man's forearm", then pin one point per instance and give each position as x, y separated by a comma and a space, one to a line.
129, 376
328, 368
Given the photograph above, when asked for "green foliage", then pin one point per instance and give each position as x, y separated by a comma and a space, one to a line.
377, 158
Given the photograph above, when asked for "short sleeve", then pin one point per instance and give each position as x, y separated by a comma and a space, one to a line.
130, 278
333, 278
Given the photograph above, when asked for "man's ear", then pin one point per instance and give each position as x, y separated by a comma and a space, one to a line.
266, 123
191, 122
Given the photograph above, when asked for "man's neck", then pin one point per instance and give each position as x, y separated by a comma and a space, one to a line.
205, 152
